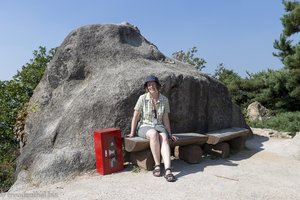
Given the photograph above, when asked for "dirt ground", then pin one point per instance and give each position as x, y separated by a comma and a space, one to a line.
267, 169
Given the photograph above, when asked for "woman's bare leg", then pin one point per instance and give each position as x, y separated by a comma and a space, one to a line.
153, 136
165, 150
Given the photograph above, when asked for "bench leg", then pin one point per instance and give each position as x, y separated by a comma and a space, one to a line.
221, 149
190, 153
143, 159
238, 144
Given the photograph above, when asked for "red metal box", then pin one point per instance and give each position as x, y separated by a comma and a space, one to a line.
108, 150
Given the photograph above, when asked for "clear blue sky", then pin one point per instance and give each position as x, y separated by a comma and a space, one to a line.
238, 33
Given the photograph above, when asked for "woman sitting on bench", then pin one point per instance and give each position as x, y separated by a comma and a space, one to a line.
152, 110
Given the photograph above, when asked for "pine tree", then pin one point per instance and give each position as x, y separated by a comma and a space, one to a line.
289, 51
188, 57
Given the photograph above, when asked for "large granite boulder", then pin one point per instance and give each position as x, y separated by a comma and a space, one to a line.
93, 82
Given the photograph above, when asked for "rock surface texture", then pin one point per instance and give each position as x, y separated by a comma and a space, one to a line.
256, 111
93, 82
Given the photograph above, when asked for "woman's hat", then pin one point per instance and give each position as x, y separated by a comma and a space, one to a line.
151, 78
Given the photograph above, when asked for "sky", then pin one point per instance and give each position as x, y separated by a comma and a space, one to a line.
238, 33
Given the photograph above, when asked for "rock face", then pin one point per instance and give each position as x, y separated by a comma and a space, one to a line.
93, 82
256, 111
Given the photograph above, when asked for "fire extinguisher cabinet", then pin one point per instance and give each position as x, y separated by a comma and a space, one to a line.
108, 150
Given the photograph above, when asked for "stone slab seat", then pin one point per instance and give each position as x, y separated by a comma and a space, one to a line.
227, 134
220, 142
189, 151
135, 144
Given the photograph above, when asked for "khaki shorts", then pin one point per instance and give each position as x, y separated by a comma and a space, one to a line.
143, 130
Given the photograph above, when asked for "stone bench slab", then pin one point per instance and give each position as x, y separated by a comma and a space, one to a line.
135, 144
222, 135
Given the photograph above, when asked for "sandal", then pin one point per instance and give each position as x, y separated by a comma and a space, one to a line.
169, 177
156, 171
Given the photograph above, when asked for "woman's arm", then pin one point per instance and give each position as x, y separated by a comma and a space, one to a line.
134, 121
166, 123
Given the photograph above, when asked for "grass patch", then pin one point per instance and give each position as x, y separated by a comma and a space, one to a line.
136, 169
287, 122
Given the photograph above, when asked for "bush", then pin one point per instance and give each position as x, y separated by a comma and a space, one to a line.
287, 122
7, 165
14, 95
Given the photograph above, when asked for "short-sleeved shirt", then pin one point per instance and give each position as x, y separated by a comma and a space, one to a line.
145, 107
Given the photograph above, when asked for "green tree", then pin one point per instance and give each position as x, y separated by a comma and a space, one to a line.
233, 82
14, 94
268, 87
188, 57
289, 52
32, 72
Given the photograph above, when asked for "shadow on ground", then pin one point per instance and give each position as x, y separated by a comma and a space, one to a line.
254, 144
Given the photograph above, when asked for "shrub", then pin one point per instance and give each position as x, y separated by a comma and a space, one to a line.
287, 122
14, 94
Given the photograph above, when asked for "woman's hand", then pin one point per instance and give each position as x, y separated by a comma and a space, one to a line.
174, 138
130, 135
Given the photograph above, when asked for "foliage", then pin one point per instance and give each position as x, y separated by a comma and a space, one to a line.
287, 122
32, 72
136, 169
189, 58
289, 53
233, 82
14, 94
267, 87
7, 166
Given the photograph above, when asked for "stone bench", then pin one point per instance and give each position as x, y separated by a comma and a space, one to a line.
188, 146
189, 149
220, 142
